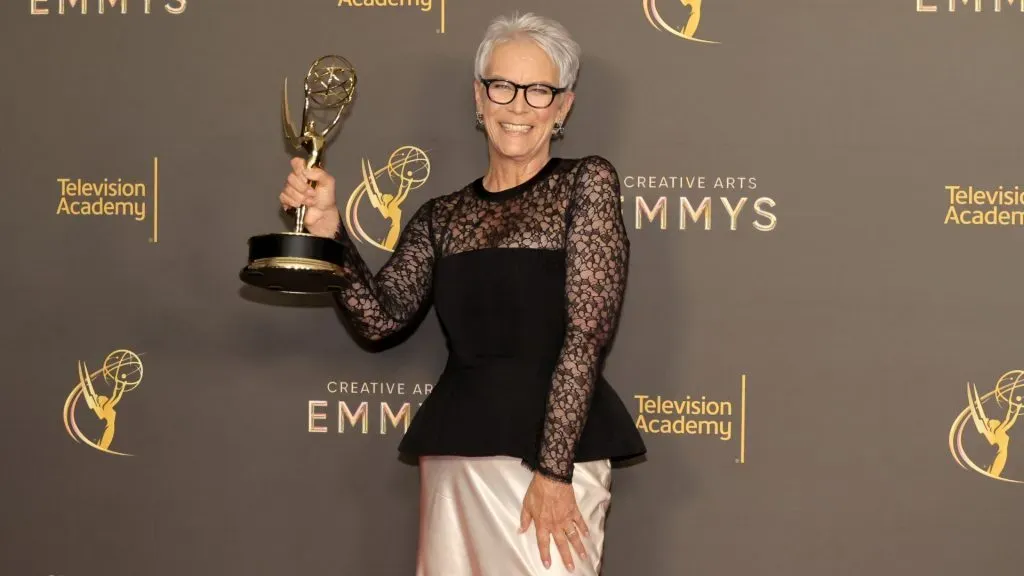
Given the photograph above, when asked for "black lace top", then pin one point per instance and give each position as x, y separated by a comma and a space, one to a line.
527, 284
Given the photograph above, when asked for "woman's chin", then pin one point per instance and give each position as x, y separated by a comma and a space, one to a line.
516, 147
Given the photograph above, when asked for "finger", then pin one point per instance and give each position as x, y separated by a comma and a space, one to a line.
318, 175
563, 549
524, 520
299, 184
298, 165
292, 198
315, 174
298, 192
289, 200
575, 537
544, 545
581, 524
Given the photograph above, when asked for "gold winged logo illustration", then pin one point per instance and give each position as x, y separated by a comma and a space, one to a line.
995, 431
407, 168
121, 372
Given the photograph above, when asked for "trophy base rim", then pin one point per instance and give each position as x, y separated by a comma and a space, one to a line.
294, 263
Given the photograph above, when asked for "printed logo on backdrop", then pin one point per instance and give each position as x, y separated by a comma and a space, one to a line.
366, 407
977, 6
697, 202
131, 203
423, 6
680, 18
709, 416
85, 7
975, 206
373, 213
979, 438
91, 408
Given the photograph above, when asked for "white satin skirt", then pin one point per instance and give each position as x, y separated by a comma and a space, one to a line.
469, 518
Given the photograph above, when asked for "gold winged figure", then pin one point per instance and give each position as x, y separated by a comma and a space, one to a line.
995, 431
101, 405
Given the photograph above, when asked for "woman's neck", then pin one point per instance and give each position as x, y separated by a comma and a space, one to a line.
505, 173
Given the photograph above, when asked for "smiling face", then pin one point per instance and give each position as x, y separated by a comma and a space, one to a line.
517, 130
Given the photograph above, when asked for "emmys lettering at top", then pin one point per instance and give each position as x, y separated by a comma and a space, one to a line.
953, 6
61, 7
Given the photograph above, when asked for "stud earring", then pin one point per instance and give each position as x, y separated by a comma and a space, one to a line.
479, 120
558, 129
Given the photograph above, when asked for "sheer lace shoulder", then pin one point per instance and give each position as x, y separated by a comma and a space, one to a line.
597, 254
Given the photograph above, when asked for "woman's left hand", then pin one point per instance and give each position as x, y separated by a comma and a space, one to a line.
551, 505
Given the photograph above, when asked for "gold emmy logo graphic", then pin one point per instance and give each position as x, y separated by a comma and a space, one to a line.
407, 169
687, 30
122, 372
1005, 404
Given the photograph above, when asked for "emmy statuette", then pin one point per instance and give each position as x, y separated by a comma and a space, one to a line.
298, 262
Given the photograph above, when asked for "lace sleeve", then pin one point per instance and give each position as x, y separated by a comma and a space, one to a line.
379, 305
597, 253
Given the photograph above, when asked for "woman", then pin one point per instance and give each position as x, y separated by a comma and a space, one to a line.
526, 267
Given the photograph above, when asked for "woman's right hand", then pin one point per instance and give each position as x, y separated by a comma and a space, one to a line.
322, 217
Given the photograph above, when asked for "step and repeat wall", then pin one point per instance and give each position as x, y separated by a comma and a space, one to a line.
820, 340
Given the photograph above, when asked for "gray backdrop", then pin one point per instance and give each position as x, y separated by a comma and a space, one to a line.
843, 337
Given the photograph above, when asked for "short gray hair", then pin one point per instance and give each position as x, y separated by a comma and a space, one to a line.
551, 36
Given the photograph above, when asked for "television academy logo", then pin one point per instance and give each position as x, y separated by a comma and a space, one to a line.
689, 416
686, 27
984, 206
421, 5
121, 373
407, 169
125, 198
989, 417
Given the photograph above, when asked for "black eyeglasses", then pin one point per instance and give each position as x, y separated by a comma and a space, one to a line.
538, 95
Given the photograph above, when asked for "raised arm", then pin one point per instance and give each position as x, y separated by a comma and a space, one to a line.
378, 305
597, 260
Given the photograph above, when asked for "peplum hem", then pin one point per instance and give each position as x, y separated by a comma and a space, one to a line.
446, 425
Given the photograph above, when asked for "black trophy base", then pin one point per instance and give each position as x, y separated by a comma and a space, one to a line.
294, 263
